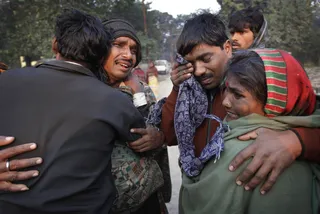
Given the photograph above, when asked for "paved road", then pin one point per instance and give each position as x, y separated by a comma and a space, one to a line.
165, 87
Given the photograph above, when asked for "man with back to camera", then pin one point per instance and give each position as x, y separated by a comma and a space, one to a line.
72, 116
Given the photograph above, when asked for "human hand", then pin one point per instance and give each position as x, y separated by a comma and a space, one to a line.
151, 139
8, 170
133, 82
180, 73
272, 152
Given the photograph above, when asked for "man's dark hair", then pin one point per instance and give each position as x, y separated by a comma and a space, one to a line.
250, 18
248, 69
81, 37
206, 28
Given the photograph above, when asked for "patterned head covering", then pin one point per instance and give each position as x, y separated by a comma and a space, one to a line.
289, 89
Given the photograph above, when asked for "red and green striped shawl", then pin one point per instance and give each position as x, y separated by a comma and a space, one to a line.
276, 73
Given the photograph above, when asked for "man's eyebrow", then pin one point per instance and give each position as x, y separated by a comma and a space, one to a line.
204, 55
119, 42
134, 46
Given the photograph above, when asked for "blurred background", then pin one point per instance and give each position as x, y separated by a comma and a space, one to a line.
27, 25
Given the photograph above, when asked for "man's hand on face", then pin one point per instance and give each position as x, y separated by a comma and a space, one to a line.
133, 82
151, 139
272, 152
180, 73
7, 176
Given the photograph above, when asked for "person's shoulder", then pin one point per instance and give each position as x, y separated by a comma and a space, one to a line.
21, 69
17, 71
106, 90
111, 104
105, 93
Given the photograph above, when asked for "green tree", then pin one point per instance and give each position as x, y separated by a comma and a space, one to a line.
228, 7
28, 33
29, 26
290, 23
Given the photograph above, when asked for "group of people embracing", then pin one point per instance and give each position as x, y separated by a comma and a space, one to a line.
245, 122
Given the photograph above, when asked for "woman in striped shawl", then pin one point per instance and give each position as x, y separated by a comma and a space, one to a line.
263, 88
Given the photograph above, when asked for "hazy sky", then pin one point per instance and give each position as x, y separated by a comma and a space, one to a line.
175, 7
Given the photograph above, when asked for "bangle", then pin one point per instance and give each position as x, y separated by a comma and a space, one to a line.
139, 99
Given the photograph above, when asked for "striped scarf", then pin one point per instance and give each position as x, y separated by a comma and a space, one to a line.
289, 89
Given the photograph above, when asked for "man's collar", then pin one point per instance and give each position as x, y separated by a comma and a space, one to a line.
74, 63
66, 65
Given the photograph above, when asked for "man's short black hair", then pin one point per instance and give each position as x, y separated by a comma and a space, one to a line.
250, 18
206, 28
248, 69
82, 38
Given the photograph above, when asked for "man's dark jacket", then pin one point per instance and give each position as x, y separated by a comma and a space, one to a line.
74, 119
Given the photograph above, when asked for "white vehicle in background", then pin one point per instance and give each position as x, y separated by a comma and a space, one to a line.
163, 66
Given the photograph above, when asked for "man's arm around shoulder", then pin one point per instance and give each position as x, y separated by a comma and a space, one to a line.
167, 120
310, 142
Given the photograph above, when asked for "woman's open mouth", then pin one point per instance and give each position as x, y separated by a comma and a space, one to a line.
231, 116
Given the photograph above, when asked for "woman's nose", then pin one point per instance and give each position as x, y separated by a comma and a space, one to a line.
226, 102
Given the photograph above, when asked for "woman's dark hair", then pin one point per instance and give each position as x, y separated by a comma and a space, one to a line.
81, 37
248, 69
250, 18
206, 28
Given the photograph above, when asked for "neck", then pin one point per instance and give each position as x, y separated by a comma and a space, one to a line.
114, 82
115, 85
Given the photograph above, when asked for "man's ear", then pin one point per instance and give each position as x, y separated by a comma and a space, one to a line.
54, 46
228, 48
